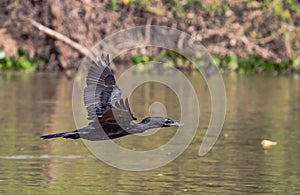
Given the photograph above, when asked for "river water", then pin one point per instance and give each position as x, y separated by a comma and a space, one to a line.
258, 108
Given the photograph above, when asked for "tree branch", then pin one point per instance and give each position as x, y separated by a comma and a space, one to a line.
83, 50
80, 48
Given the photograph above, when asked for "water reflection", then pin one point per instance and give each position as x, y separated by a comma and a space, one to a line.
259, 107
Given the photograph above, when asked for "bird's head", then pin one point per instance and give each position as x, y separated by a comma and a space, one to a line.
157, 122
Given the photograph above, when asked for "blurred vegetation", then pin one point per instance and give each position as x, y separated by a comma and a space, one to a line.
243, 36
230, 63
281, 8
256, 64
22, 62
233, 62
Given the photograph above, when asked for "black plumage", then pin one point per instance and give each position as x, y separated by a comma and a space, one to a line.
110, 115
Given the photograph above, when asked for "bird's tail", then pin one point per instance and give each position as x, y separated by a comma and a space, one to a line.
71, 134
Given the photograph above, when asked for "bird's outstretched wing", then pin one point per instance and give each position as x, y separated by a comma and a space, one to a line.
102, 95
118, 116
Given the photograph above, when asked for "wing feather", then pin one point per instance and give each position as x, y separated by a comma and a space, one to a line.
101, 94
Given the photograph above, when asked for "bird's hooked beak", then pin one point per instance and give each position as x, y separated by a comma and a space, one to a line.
174, 124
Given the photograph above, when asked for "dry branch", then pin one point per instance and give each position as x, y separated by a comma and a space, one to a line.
80, 48
83, 50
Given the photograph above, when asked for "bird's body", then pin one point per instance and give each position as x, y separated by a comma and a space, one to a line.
110, 114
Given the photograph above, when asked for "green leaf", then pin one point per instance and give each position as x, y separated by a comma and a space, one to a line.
24, 63
21, 52
233, 63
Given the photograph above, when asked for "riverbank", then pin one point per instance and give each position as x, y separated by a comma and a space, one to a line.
249, 35
230, 63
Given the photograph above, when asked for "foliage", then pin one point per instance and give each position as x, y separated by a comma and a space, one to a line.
138, 59
23, 62
243, 65
168, 58
283, 8
112, 4
248, 29
256, 64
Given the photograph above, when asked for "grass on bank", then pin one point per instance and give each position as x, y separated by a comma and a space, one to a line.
22, 62
230, 63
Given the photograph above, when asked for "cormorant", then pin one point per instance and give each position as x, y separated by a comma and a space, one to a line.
110, 114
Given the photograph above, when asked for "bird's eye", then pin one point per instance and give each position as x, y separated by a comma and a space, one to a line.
169, 121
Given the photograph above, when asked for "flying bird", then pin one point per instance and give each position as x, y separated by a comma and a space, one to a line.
109, 113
